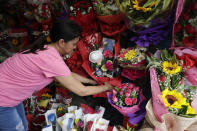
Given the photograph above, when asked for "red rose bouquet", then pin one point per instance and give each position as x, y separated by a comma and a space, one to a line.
185, 29
83, 14
109, 17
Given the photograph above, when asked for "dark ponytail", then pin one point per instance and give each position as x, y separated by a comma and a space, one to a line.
36, 45
62, 29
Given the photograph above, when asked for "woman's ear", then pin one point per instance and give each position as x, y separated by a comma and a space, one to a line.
61, 43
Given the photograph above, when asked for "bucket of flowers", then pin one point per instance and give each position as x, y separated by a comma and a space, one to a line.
172, 99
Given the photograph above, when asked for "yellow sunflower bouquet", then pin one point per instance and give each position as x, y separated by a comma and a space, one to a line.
173, 101
141, 12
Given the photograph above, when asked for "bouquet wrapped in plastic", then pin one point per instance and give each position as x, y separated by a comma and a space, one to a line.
83, 14
126, 98
171, 106
110, 20
141, 13
185, 32
189, 58
98, 60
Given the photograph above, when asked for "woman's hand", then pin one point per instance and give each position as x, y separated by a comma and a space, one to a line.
108, 86
92, 82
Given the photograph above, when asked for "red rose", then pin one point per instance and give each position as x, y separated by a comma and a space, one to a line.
128, 101
189, 41
189, 29
107, 54
194, 7
188, 61
177, 28
134, 100
162, 78
195, 35
185, 16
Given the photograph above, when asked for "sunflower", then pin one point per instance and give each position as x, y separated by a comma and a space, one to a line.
190, 110
15, 42
130, 54
138, 5
173, 99
46, 95
170, 68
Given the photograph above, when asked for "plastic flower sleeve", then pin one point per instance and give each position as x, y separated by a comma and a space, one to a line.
100, 124
68, 122
47, 128
79, 119
51, 119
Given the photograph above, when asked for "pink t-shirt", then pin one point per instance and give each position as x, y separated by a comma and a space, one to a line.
23, 74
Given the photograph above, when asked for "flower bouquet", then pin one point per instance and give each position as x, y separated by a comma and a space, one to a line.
42, 14
126, 98
185, 29
189, 58
133, 62
99, 60
83, 14
171, 105
133, 58
141, 13
109, 17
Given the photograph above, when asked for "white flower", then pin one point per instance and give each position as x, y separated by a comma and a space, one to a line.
141, 57
71, 8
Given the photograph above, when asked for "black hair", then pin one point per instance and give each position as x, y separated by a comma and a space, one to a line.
62, 29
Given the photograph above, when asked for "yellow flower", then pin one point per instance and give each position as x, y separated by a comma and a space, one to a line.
59, 109
130, 54
190, 110
170, 68
48, 39
14, 41
173, 99
47, 95
138, 5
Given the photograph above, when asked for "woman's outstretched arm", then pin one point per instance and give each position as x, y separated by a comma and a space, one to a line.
78, 88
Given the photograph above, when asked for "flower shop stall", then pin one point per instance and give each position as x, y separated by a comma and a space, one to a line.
122, 43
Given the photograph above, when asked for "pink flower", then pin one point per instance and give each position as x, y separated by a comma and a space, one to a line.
114, 92
107, 54
114, 99
128, 101
108, 65
121, 92
136, 88
127, 93
162, 78
131, 85
134, 100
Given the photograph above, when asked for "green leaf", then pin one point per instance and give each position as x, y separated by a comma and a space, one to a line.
166, 4
148, 3
165, 55
183, 110
173, 59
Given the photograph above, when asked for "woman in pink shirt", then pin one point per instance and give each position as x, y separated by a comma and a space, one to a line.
33, 69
